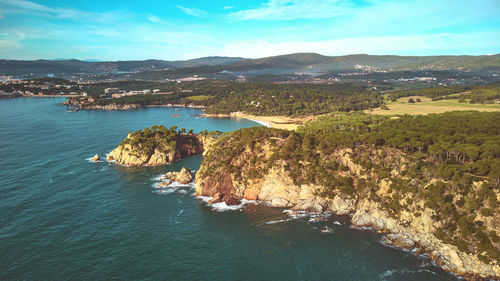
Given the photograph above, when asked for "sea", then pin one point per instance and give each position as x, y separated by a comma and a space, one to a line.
63, 217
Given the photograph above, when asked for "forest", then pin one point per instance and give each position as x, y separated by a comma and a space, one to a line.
157, 137
259, 98
266, 98
489, 93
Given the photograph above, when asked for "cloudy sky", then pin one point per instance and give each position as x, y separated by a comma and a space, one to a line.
183, 29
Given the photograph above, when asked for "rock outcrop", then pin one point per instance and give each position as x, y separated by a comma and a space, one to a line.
96, 158
158, 146
130, 155
184, 176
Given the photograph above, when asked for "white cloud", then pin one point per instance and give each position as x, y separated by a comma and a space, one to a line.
32, 8
228, 7
155, 19
192, 11
435, 44
26, 5
294, 9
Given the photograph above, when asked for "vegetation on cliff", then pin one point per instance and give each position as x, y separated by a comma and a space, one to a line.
157, 145
156, 137
447, 164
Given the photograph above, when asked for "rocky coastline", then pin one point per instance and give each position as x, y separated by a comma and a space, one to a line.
407, 232
413, 228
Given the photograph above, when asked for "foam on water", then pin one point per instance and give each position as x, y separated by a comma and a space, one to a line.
402, 272
90, 160
278, 221
363, 228
222, 206
173, 187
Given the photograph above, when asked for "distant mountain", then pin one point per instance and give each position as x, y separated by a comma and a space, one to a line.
292, 63
66, 67
315, 62
206, 61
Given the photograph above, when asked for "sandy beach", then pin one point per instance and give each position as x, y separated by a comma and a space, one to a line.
279, 122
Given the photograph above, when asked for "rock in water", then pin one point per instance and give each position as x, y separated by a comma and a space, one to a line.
228, 199
185, 176
96, 158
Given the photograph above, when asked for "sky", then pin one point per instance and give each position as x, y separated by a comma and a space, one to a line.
185, 29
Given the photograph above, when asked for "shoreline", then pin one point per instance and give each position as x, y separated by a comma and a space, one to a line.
49, 96
277, 122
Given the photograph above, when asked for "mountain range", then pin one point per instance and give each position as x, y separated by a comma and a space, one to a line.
291, 63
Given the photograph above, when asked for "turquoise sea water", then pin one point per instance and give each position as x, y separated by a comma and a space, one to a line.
64, 218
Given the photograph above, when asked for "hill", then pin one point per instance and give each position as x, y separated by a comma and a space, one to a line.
291, 63
73, 66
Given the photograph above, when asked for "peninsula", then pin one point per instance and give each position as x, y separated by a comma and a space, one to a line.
159, 145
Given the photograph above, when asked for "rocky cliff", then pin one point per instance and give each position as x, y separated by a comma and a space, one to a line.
369, 183
158, 146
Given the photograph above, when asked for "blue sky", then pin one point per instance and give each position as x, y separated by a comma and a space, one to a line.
183, 29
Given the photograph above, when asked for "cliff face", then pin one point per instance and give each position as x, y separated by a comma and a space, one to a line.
159, 149
252, 171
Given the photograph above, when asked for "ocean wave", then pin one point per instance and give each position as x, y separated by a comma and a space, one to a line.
399, 272
222, 206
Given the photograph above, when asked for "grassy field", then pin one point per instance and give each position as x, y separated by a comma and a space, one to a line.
200, 97
427, 106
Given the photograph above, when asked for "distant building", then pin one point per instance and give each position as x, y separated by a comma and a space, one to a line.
111, 90
425, 79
